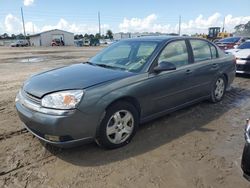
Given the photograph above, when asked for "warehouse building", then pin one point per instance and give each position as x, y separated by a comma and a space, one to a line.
45, 38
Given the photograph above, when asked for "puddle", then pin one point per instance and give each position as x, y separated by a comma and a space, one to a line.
32, 60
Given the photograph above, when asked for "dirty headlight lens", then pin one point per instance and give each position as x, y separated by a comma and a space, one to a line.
62, 100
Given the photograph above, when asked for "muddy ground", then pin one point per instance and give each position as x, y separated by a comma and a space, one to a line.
199, 146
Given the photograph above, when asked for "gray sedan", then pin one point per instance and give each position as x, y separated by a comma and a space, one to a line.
128, 83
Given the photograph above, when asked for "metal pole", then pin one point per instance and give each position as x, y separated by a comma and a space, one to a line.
223, 28
179, 25
23, 24
99, 20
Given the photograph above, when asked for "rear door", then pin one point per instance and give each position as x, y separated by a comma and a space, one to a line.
205, 67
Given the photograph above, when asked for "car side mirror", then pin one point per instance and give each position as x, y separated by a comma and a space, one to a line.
164, 66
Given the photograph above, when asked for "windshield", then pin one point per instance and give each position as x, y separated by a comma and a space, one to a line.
244, 45
230, 40
125, 55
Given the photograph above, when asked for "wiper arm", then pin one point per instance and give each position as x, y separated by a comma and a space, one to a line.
104, 65
90, 63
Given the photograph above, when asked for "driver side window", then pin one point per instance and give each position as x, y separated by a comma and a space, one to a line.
176, 53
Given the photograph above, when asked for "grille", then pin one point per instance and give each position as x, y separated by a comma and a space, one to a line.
31, 98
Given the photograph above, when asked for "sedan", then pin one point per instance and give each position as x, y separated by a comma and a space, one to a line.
242, 54
245, 162
128, 83
230, 42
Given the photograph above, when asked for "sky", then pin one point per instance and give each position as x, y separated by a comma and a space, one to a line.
80, 16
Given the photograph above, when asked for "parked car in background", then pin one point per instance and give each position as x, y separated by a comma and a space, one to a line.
231, 42
78, 42
20, 43
242, 55
245, 161
57, 42
128, 83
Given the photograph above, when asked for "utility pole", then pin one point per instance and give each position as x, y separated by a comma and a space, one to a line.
99, 21
179, 25
223, 27
24, 32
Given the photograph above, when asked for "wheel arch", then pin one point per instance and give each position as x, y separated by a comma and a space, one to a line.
129, 99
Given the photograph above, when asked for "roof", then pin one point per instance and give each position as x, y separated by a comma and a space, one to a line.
155, 38
37, 34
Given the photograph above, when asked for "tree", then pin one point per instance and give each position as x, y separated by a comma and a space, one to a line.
13, 36
97, 36
242, 29
86, 35
109, 34
5, 36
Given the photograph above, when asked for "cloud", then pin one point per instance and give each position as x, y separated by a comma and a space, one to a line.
28, 2
75, 28
150, 23
12, 24
197, 25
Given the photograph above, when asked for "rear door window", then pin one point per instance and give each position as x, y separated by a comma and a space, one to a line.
201, 50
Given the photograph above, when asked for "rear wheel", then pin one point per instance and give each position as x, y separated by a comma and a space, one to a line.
118, 126
218, 89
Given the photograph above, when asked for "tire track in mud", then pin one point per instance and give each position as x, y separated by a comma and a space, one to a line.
44, 160
13, 133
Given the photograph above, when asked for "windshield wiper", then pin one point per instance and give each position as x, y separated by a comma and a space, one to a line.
104, 65
90, 63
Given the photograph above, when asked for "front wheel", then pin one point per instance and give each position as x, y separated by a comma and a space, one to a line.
218, 89
118, 126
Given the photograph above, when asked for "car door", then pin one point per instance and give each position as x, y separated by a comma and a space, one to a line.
167, 90
205, 67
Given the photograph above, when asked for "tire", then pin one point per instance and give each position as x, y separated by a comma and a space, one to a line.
218, 89
115, 130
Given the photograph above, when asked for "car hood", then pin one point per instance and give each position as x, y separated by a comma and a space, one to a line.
232, 51
244, 53
79, 76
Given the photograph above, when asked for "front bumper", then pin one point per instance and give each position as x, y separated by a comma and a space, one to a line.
243, 66
245, 161
60, 130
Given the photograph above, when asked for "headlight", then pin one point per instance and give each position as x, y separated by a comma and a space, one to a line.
62, 100
247, 131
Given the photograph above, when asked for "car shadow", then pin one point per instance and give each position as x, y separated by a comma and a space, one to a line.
243, 75
156, 133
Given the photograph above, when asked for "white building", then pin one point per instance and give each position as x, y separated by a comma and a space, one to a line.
45, 38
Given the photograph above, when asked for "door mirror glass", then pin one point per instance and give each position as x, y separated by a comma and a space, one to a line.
164, 66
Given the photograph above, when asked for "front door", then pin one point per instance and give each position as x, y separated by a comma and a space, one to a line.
167, 90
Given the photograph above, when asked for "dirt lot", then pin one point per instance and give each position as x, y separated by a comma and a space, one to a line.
199, 146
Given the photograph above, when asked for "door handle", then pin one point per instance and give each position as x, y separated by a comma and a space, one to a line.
215, 65
188, 71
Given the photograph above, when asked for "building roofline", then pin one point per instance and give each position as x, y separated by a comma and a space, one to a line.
37, 34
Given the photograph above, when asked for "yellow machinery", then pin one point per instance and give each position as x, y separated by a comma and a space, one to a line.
214, 34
